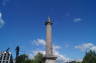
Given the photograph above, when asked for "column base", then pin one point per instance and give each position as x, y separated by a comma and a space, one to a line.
50, 59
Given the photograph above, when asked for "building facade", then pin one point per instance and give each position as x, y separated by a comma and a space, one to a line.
6, 57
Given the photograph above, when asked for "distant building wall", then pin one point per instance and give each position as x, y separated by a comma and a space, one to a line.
6, 57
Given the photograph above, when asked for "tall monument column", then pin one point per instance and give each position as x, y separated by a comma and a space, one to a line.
49, 57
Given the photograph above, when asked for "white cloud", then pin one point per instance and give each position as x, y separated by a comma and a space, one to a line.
56, 51
39, 51
86, 47
0, 15
39, 42
59, 56
77, 20
56, 47
1, 21
78, 60
42, 42
93, 48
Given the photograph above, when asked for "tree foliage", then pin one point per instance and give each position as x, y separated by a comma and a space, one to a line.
38, 58
24, 59
90, 57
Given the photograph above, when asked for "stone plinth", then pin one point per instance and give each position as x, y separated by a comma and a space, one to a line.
51, 59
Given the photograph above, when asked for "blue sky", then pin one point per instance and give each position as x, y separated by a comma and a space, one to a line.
22, 22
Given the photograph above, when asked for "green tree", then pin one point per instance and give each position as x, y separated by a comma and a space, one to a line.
38, 58
90, 57
22, 58
28, 61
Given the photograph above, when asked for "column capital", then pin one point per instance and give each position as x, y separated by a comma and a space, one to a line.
49, 21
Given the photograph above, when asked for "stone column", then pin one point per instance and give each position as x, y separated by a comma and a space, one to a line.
49, 57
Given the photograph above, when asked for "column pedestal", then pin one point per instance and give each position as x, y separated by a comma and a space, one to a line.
51, 59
